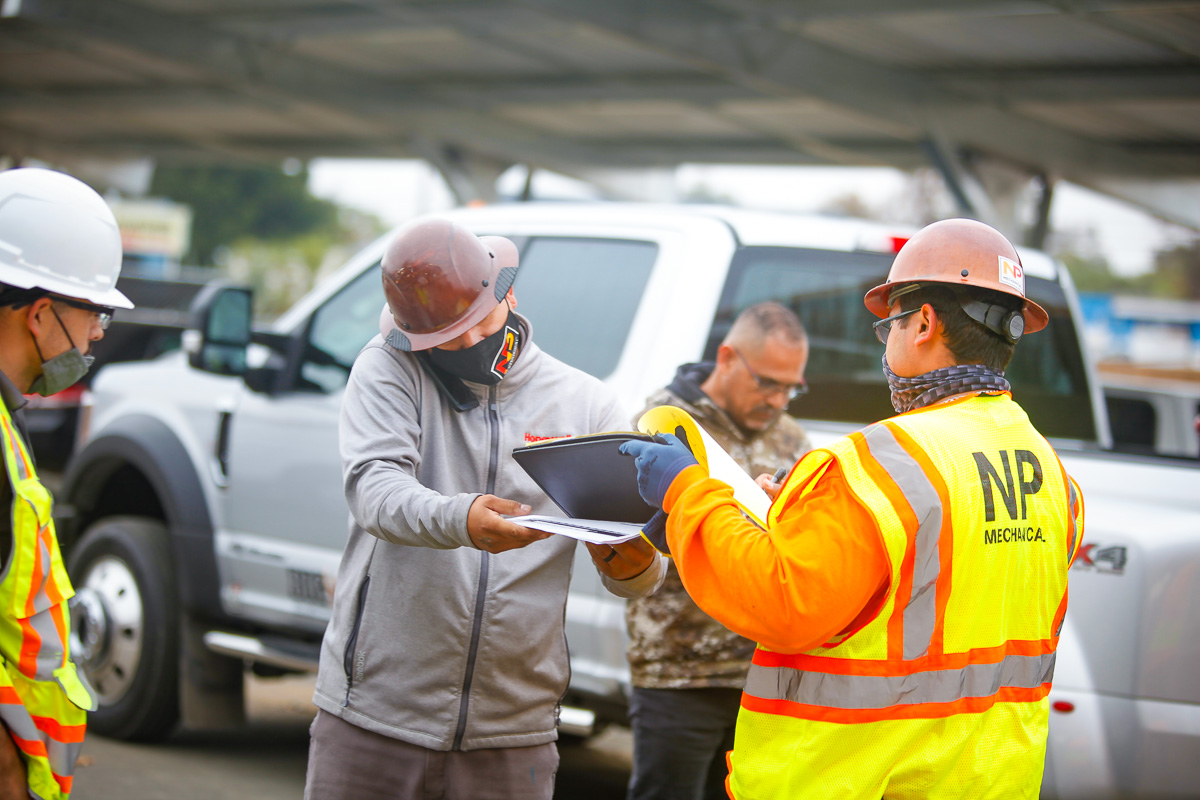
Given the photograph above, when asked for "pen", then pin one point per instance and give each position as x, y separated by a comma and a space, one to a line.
779, 475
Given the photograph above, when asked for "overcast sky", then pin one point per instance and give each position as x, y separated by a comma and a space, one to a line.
399, 190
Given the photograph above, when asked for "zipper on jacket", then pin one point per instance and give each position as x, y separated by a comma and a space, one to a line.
493, 420
566, 649
352, 640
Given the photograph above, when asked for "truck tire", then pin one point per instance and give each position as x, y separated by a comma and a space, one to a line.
125, 626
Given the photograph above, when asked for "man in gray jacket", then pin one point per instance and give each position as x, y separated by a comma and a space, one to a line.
445, 657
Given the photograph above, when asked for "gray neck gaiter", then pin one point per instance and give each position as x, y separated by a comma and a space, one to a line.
918, 392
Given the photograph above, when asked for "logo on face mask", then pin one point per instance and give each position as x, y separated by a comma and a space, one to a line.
488, 361
504, 357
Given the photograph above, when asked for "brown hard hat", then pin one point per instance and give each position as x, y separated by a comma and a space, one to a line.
959, 252
440, 281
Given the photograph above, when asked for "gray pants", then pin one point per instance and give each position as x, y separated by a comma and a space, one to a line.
346, 762
680, 738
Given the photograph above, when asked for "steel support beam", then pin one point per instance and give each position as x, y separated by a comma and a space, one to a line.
782, 61
1176, 201
1035, 237
964, 187
268, 73
471, 178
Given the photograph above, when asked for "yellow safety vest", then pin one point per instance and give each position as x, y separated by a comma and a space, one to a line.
43, 701
942, 692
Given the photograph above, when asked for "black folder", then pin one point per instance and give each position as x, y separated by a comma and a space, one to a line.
588, 477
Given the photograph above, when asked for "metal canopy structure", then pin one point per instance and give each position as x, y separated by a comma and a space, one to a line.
1104, 93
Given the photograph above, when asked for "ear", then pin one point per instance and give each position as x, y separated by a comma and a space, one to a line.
512, 299
39, 316
927, 325
725, 356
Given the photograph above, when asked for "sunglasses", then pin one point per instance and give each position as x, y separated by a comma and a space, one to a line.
884, 326
105, 313
769, 386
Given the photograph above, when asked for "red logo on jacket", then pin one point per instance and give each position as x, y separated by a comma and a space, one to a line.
531, 438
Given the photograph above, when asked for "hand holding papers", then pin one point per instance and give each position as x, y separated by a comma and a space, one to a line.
596, 486
585, 530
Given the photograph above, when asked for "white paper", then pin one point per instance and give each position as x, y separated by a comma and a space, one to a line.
585, 530
722, 467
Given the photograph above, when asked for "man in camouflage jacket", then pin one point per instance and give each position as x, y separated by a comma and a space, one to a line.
688, 670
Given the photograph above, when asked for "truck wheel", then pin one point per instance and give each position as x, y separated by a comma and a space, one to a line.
124, 626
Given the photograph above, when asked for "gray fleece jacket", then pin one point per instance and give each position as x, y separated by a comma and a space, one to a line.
432, 641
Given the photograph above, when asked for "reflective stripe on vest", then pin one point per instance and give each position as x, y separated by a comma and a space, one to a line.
917, 676
920, 611
42, 699
866, 698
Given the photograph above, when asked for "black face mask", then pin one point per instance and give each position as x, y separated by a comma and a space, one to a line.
487, 361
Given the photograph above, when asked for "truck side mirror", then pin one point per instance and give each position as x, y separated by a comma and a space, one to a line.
220, 329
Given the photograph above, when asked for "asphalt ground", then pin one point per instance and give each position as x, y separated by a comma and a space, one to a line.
266, 759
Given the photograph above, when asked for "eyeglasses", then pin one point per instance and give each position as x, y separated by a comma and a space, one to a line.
884, 326
770, 386
105, 313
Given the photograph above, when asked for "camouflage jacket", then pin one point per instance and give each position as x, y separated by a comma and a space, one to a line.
672, 643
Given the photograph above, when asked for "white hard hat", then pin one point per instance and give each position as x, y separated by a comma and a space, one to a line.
57, 234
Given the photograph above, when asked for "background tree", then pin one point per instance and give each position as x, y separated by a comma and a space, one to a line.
1175, 274
1177, 271
231, 203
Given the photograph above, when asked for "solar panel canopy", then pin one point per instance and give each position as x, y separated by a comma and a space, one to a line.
1105, 93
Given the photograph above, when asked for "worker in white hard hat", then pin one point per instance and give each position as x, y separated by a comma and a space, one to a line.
60, 255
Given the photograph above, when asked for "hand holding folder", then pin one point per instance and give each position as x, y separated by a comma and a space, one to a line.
587, 477
596, 486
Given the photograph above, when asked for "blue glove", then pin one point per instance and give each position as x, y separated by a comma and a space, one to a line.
658, 464
655, 532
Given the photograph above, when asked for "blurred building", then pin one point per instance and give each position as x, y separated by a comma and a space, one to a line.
154, 235
1149, 331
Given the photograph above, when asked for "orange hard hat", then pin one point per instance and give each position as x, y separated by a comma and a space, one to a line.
440, 281
959, 252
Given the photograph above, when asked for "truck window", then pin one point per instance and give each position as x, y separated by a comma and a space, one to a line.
846, 383
339, 330
581, 296
1134, 424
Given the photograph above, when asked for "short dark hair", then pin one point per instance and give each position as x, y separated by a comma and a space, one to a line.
968, 341
15, 297
762, 320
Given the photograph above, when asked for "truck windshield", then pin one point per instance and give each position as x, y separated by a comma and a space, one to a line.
846, 383
581, 296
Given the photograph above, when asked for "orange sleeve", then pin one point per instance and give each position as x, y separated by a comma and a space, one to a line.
1076, 511
819, 570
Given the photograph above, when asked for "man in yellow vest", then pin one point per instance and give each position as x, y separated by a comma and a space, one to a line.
60, 255
909, 590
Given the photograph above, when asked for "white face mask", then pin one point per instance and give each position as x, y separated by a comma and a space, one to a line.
63, 370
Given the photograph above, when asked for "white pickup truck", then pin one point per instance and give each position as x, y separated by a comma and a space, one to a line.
204, 516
